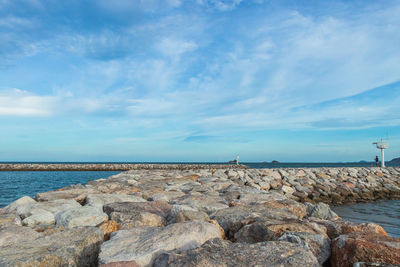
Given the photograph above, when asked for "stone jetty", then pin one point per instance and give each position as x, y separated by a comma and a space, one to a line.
202, 215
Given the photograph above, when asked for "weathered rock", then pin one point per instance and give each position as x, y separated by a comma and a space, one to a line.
11, 235
348, 249
366, 228
189, 215
234, 218
271, 230
74, 247
323, 211
77, 194
39, 217
109, 227
136, 214
318, 244
98, 200
205, 203
83, 216
143, 244
10, 219
20, 203
217, 252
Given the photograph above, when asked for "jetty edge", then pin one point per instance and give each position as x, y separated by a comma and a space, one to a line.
208, 215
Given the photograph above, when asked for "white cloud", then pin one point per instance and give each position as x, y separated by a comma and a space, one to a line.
174, 47
16, 102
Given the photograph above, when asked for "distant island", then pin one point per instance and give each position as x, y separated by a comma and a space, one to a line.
395, 161
274, 161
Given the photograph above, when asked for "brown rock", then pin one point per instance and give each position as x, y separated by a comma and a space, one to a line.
109, 227
365, 228
348, 249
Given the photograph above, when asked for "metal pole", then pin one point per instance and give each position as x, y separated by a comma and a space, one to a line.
382, 158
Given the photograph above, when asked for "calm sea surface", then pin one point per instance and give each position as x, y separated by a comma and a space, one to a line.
14, 185
385, 213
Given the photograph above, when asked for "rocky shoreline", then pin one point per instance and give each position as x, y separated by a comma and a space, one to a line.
202, 215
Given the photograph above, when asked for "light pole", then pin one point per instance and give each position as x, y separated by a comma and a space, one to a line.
382, 146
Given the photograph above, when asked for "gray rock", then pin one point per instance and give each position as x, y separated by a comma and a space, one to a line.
142, 245
39, 217
323, 211
318, 244
53, 206
10, 219
23, 201
74, 247
135, 214
234, 218
83, 216
16, 235
98, 200
217, 252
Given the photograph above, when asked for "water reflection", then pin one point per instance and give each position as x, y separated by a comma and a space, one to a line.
384, 213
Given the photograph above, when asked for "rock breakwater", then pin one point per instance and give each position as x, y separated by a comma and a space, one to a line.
107, 166
205, 216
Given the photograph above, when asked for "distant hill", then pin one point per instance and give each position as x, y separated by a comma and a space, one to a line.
395, 161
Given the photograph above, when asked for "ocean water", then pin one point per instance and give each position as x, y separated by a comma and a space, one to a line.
385, 213
14, 185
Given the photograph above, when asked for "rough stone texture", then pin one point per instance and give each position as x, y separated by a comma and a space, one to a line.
16, 235
217, 252
348, 249
23, 201
83, 216
234, 218
98, 200
109, 227
189, 215
9, 219
366, 228
318, 244
77, 194
323, 211
271, 230
134, 214
39, 217
74, 247
143, 244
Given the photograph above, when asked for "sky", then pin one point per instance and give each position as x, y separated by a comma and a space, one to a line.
201, 80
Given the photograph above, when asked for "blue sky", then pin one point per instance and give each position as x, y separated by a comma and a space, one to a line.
175, 80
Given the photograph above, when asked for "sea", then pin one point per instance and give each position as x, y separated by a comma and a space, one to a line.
16, 184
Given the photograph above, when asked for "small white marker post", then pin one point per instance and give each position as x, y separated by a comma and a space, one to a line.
237, 160
382, 146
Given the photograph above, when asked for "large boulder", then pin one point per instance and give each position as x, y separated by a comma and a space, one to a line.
136, 214
73, 247
143, 244
83, 216
319, 245
39, 217
217, 252
272, 229
52, 206
323, 211
355, 247
79, 194
14, 235
234, 218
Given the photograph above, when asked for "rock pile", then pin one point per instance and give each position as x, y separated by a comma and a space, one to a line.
202, 217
